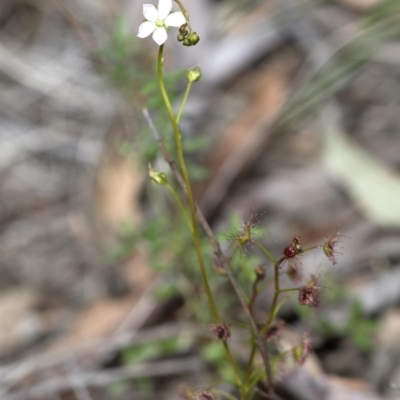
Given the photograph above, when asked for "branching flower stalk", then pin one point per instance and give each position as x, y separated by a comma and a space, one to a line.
258, 340
158, 21
189, 193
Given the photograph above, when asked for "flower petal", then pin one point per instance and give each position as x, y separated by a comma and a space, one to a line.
160, 36
150, 12
164, 8
175, 19
146, 29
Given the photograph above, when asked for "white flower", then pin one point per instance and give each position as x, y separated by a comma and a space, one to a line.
158, 20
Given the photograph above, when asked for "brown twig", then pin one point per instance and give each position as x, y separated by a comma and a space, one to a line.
86, 39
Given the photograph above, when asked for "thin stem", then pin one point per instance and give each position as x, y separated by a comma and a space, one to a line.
266, 252
288, 290
178, 142
185, 97
309, 248
180, 204
223, 262
224, 394
254, 293
249, 365
189, 193
282, 355
255, 289
275, 298
185, 13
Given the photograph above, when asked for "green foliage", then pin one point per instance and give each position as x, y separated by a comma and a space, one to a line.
388, 10
117, 388
154, 350
243, 264
129, 238
166, 291
361, 329
118, 57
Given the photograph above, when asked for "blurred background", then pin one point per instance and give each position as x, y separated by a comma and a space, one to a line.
296, 118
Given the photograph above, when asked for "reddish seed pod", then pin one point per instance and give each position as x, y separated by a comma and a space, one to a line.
290, 251
221, 331
310, 295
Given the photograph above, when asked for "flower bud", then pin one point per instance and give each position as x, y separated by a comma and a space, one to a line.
180, 37
290, 251
296, 242
186, 42
194, 38
158, 177
260, 273
193, 74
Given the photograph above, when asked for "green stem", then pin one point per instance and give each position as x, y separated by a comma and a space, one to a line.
224, 394
281, 355
182, 163
195, 228
275, 298
254, 293
185, 13
250, 365
309, 248
288, 290
185, 97
266, 252
180, 204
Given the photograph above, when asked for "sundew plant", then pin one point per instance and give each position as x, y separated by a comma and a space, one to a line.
254, 376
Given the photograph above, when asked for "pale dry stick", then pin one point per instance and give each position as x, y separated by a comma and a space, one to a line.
13, 373
102, 379
87, 40
16, 372
223, 262
78, 385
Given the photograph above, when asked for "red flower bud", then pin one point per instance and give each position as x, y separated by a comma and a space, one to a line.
221, 331
310, 295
